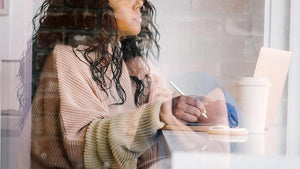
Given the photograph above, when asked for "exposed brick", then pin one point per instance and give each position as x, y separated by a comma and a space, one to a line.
173, 7
227, 48
198, 47
176, 41
233, 70
77, 20
48, 39
205, 27
257, 26
75, 39
208, 7
253, 47
210, 66
57, 2
258, 7
82, 3
239, 26
193, 34
39, 60
208, 27
238, 6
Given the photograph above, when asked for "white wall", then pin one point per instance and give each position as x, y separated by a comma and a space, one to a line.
294, 75
293, 122
4, 34
15, 29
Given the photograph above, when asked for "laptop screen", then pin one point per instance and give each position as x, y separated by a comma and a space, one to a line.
273, 64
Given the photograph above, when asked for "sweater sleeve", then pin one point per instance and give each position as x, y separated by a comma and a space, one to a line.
118, 141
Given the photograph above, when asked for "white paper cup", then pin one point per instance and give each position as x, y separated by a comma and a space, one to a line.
252, 100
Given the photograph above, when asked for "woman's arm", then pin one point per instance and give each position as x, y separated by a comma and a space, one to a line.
118, 141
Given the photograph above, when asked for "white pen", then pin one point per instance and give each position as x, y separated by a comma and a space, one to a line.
179, 91
176, 88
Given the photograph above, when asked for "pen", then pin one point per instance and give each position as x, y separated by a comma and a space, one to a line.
176, 88
179, 91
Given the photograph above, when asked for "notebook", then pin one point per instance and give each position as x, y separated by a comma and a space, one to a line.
274, 65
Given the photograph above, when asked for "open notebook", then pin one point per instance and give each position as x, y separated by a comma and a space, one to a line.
274, 65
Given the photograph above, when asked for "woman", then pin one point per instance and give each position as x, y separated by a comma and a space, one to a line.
97, 103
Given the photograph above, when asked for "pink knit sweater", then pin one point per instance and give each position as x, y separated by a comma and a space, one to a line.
74, 124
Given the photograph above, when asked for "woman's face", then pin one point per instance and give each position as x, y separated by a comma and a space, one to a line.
128, 16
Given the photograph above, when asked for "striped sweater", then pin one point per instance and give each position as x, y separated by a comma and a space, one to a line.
74, 124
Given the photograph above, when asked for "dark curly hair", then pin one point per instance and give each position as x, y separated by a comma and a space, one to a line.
98, 39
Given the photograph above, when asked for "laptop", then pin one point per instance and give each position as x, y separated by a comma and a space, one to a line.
274, 65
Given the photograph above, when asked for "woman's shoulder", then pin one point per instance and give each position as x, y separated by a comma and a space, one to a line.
69, 48
64, 50
68, 57
67, 53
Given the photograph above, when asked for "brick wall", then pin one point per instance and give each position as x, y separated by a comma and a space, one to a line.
62, 26
219, 37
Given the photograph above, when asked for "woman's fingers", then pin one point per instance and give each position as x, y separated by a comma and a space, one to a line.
187, 108
185, 116
167, 116
195, 103
195, 111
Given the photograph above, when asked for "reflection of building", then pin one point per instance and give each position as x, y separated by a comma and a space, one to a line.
211, 51
1, 4
10, 117
3, 7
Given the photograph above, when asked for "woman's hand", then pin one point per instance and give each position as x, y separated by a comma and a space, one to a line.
184, 109
187, 108
216, 109
216, 112
181, 109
